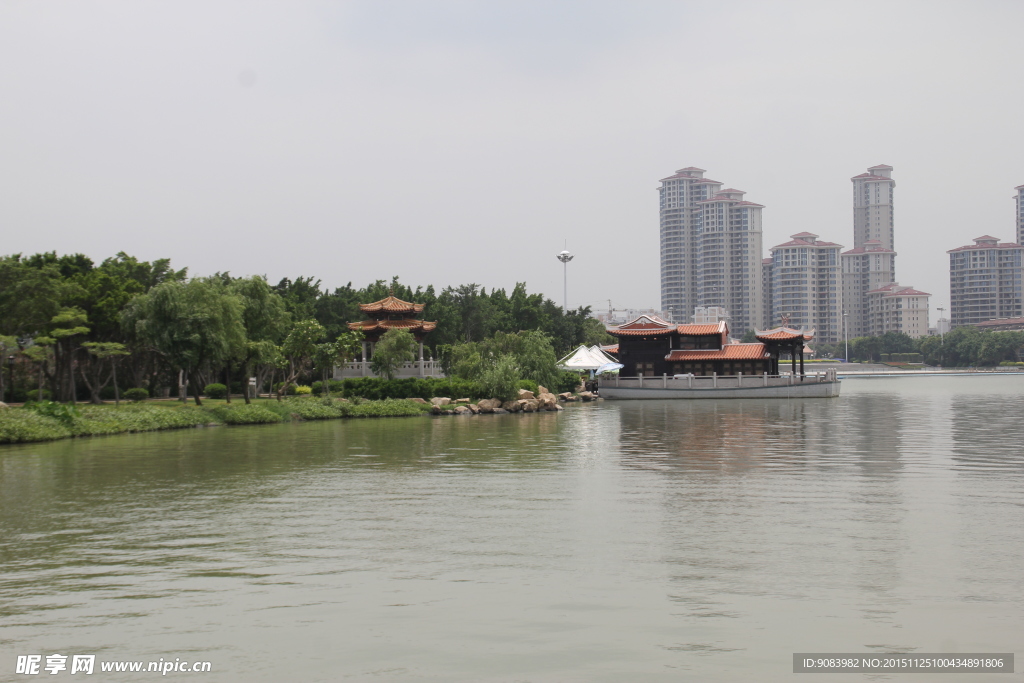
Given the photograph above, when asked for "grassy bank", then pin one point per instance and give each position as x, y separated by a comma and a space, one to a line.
50, 421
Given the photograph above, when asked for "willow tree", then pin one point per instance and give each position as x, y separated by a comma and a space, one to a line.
192, 324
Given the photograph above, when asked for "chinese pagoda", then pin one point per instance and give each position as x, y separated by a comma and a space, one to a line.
391, 313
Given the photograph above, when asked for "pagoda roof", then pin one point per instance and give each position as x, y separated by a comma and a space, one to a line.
392, 304
699, 329
644, 325
752, 351
784, 334
406, 324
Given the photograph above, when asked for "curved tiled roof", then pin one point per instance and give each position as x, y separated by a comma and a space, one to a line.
701, 329
392, 304
728, 352
640, 332
407, 324
784, 333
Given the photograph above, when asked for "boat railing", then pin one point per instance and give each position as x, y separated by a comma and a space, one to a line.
716, 381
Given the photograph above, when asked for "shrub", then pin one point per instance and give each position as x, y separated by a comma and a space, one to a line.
24, 395
529, 385
303, 390
386, 408
245, 414
215, 391
317, 410
290, 391
64, 413
22, 426
335, 385
501, 380
567, 381
137, 394
377, 388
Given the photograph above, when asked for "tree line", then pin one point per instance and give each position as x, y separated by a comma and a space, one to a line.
966, 346
71, 329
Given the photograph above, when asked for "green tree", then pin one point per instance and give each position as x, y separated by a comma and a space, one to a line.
501, 379
999, 346
299, 349
266, 319
104, 351
749, 337
394, 348
29, 296
68, 324
193, 324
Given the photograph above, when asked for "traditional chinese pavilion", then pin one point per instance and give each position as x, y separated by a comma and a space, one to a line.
650, 346
391, 313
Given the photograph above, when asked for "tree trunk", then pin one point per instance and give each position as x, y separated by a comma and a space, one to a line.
117, 392
227, 380
71, 375
195, 389
245, 384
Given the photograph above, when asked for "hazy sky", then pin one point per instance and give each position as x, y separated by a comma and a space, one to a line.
455, 142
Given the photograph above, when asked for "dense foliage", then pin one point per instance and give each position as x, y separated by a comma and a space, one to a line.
961, 347
77, 329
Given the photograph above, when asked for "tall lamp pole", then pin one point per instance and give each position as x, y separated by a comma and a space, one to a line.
938, 324
565, 257
846, 339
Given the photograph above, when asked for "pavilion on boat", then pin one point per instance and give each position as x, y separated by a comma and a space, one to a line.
649, 347
391, 313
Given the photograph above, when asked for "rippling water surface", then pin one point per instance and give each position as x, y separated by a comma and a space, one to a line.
641, 541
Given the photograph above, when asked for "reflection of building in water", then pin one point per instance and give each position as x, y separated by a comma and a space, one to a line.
718, 434
987, 431
765, 499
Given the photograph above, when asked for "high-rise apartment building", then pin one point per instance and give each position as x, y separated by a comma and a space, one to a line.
894, 308
872, 207
865, 268
1019, 199
985, 281
767, 296
710, 249
806, 286
871, 264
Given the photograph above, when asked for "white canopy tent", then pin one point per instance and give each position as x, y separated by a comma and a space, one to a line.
591, 359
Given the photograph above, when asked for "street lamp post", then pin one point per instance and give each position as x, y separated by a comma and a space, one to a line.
938, 324
564, 256
846, 339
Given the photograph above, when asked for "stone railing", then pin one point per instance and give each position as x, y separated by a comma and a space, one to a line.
419, 368
716, 381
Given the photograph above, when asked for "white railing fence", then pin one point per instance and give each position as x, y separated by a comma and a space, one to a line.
419, 368
716, 381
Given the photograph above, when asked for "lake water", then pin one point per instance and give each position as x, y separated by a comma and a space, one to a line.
639, 541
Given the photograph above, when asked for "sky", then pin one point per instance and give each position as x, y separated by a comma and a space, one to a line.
451, 142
